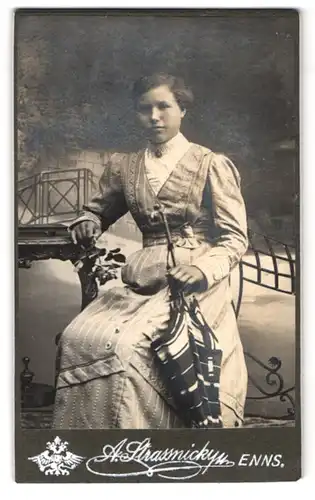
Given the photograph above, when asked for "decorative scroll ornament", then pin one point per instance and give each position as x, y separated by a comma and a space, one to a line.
274, 385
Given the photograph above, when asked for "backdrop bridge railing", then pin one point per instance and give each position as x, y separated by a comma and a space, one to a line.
53, 194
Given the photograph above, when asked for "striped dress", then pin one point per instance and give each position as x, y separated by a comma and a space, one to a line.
107, 373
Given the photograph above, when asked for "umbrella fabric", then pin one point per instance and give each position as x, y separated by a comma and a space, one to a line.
191, 364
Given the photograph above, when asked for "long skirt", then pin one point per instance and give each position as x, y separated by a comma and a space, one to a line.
107, 372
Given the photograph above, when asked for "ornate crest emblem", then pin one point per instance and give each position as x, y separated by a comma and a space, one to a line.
56, 460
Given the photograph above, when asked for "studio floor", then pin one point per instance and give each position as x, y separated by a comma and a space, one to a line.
41, 419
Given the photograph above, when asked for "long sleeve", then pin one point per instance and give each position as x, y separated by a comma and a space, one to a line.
107, 203
229, 218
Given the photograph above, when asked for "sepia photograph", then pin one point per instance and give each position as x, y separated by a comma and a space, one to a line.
157, 234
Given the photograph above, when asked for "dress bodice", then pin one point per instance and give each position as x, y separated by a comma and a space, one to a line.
201, 199
181, 195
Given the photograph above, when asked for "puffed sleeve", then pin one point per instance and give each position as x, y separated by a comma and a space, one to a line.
229, 218
107, 203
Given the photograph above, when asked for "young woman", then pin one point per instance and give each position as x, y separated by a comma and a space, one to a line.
108, 375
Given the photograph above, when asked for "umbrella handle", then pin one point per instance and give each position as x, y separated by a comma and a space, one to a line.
170, 245
175, 293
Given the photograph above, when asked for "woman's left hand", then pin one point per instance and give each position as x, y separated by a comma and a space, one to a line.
188, 278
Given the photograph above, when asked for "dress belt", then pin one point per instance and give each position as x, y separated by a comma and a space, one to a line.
199, 233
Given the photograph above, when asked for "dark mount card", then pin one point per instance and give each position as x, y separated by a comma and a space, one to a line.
171, 138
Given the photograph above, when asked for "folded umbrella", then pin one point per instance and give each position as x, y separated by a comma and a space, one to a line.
189, 360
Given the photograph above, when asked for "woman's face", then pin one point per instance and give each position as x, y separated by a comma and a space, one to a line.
159, 114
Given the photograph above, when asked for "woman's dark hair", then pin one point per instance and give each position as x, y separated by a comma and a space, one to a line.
182, 94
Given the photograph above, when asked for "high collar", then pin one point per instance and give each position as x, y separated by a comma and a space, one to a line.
172, 146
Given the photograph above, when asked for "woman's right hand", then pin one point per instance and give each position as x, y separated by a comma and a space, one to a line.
85, 233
